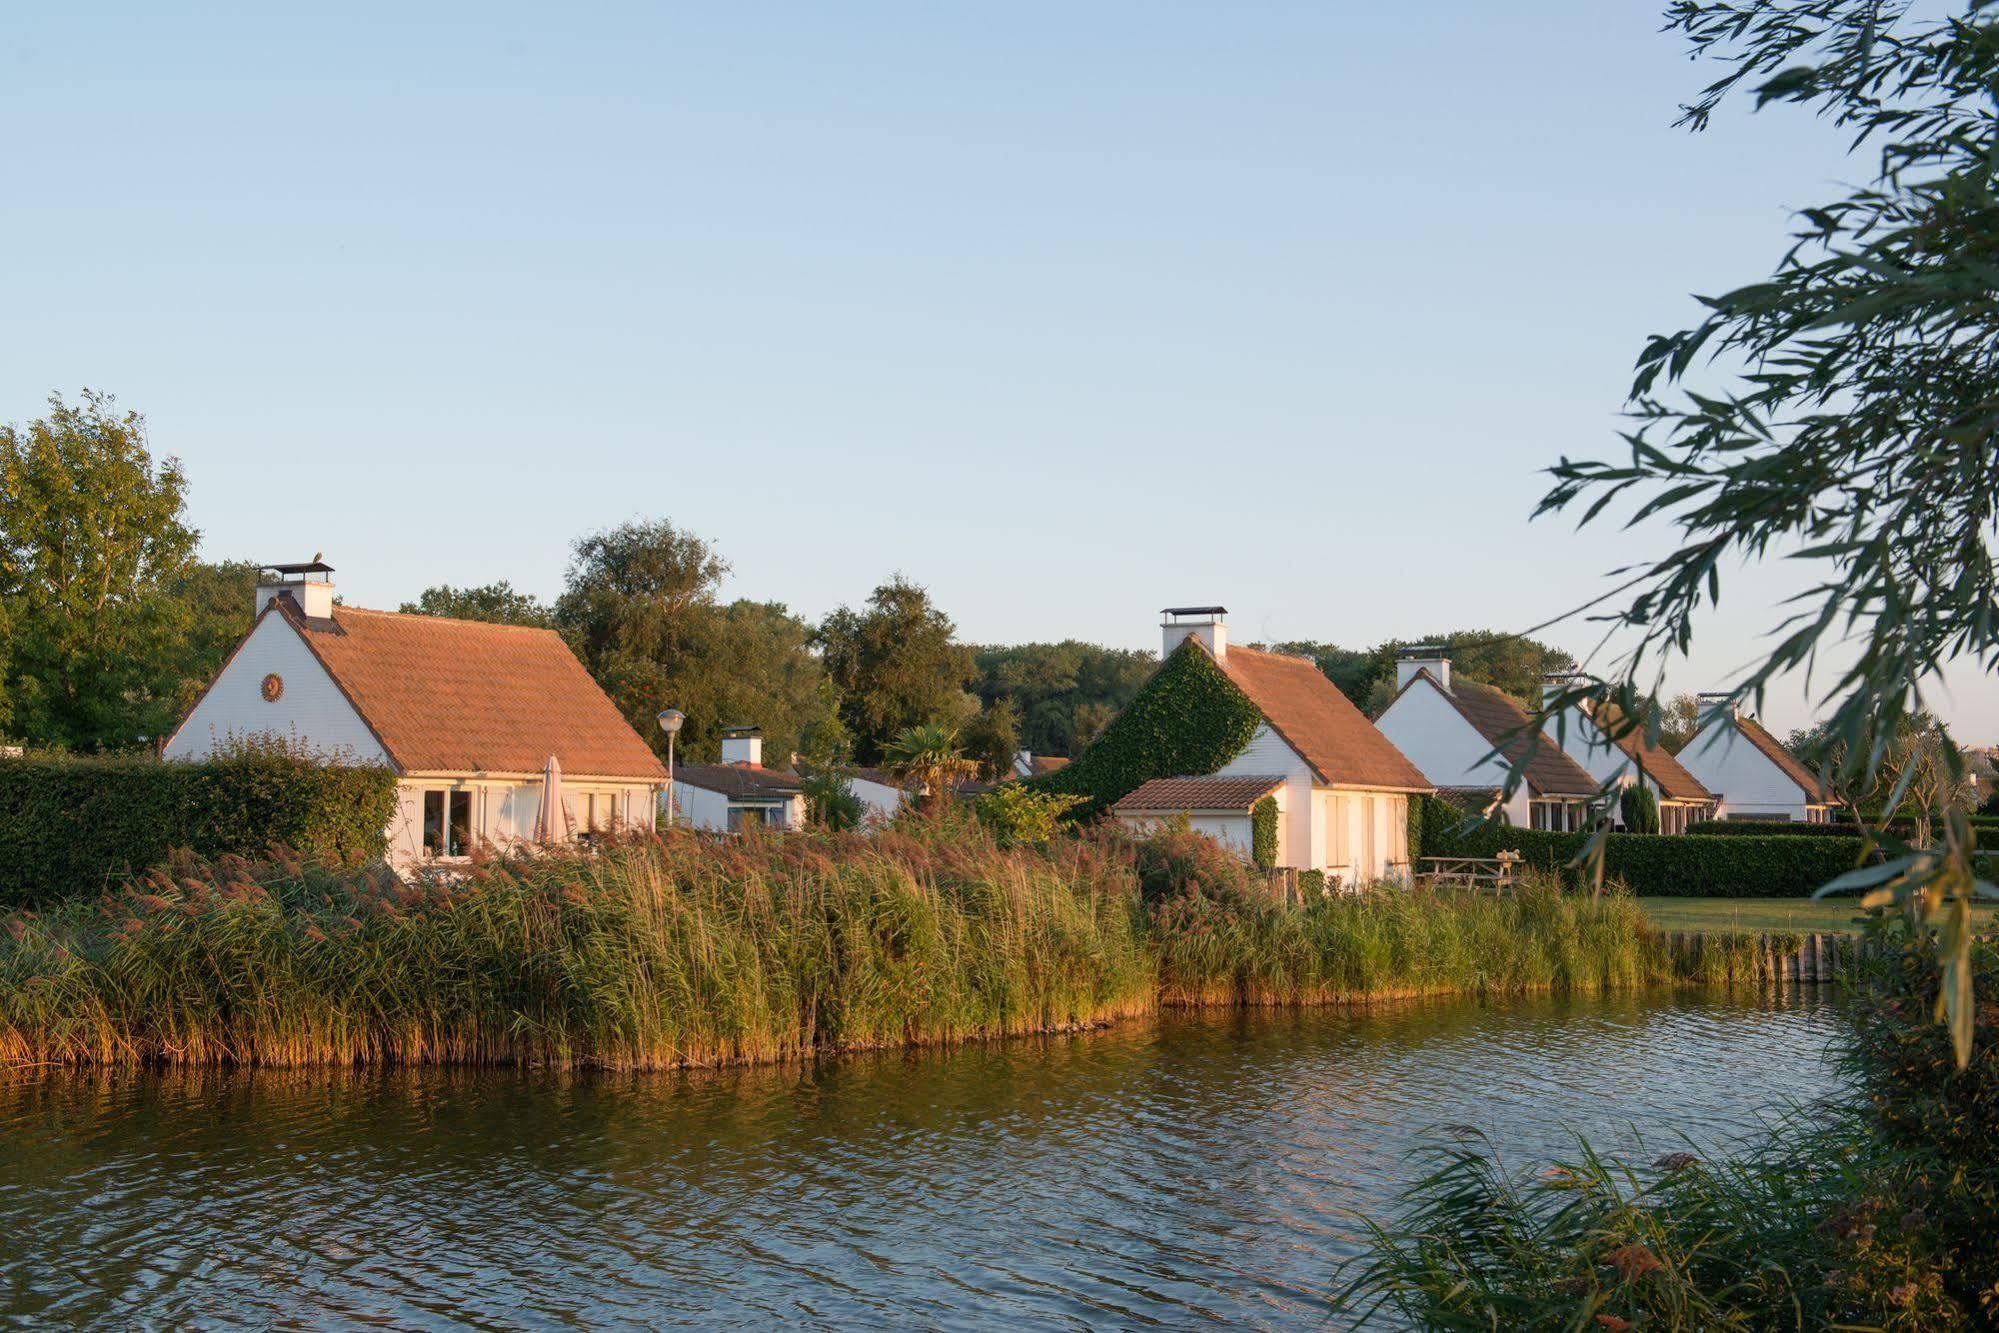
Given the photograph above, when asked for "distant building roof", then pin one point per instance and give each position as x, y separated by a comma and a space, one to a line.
1779, 754
1673, 780
1342, 747
1504, 724
740, 782
460, 696
1042, 764
1211, 793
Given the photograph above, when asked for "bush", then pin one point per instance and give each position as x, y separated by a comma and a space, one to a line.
830, 802
1263, 833
1015, 813
71, 826
1661, 865
1639, 808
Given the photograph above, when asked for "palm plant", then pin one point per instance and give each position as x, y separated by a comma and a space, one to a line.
927, 758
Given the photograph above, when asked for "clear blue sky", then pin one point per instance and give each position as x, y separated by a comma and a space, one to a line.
1069, 312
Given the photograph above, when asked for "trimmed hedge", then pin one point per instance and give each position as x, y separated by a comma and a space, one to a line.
1779, 828
1263, 832
1661, 865
71, 826
1189, 718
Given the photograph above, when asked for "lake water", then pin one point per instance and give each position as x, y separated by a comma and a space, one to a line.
1197, 1169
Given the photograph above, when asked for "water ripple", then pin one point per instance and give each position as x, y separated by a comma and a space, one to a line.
1201, 1169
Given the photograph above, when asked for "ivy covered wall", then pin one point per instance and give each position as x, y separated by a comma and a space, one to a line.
1188, 719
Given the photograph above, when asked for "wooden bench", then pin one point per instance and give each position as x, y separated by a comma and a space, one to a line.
1479, 873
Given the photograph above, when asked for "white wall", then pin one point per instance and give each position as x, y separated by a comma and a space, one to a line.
883, 801
504, 813
1728, 764
1231, 830
709, 810
1302, 842
1369, 834
1448, 750
312, 707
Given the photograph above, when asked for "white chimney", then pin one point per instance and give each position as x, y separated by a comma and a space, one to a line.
1430, 657
308, 585
1709, 701
742, 745
1206, 623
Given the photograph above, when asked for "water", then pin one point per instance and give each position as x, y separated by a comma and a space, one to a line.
1197, 1169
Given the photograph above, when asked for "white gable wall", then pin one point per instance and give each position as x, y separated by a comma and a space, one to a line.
882, 801
312, 708
1303, 842
1728, 764
1448, 750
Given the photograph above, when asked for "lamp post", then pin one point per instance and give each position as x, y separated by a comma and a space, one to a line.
669, 722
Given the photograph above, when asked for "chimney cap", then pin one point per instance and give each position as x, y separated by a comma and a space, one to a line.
1422, 652
740, 731
307, 567
1194, 611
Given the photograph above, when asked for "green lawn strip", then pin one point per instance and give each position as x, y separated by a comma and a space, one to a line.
1766, 914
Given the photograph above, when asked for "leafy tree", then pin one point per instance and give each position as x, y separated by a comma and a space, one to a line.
641, 612
1016, 813
1913, 777
1509, 662
896, 665
210, 606
1679, 719
1840, 410
927, 758
92, 533
830, 802
496, 603
1064, 692
992, 738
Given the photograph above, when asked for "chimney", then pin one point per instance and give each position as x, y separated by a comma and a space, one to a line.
1555, 682
1430, 657
308, 585
743, 745
1206, 623
1711, 700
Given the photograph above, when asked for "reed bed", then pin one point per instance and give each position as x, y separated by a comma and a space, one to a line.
687, 951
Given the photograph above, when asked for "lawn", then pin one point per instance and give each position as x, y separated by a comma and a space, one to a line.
1757, 914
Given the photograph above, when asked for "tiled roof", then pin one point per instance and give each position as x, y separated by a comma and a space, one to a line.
1046, 763
461, 696
1673, 781
1494, 714
1318, 721
742, 782
1231, 793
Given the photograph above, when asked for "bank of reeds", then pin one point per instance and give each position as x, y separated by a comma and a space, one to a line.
691, 951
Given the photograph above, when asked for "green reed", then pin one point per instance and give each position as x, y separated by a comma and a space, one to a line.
686, 950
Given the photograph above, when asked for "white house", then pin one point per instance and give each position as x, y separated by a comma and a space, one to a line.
467, 715
1341, 787
883, 797
1752, 772
740, 790
1629, 758
1465, 736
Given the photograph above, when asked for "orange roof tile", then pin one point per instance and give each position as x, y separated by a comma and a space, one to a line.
1672, 779
1211, 793
1318, 721
461, 695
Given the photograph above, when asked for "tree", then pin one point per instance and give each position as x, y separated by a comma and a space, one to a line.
1064, 692
92, 533
1679, 719
210, 605
1912, 779
927, 758
896, 665
1839, 411
830, 802
992, 738
641, 612
496, 603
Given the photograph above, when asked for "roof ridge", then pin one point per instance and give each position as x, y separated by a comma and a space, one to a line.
444, 620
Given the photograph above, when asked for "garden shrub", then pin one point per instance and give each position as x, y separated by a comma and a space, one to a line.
1662, 865
1263, 833
1639, 809
71, 826
1189, 718
1016, 813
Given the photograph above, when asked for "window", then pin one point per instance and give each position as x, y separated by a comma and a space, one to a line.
766, 815
447, 823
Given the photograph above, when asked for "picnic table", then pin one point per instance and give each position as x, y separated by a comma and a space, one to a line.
1494, 873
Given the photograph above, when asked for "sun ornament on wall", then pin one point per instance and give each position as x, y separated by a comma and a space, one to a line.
274, 687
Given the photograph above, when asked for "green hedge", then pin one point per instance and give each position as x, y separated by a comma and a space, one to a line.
1986, 829
72, 826
1263, 832
1663, 865
1189, 718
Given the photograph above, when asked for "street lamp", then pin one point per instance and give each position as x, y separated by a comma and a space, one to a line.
669, 722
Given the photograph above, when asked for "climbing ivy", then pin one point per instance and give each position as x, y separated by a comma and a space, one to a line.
1263, 832
1188, 719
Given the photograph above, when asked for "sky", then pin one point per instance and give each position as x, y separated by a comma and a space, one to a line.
1068, 312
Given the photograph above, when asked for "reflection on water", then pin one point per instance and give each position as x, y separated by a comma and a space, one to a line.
1199, 1168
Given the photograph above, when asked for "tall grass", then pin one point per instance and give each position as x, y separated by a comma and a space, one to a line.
688, 951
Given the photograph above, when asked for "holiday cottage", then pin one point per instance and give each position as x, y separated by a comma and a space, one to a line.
1630, 758
738, 791
1466, 736
1261, 725
496, 734
1751, 771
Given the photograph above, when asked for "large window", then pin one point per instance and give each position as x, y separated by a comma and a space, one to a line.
447, 823
766, 815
